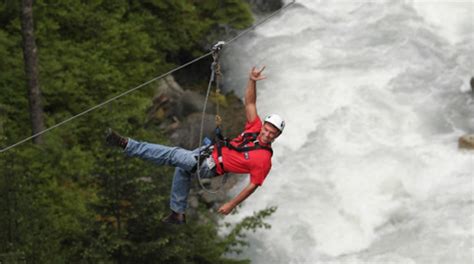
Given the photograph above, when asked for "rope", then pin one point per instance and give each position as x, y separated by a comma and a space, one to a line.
214, 66
218, 119
215, 75
218, 77
145, 83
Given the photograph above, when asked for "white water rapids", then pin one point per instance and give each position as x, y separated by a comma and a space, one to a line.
375, 95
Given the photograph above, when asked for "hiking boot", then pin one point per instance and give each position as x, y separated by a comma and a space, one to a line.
174, 218
115, 140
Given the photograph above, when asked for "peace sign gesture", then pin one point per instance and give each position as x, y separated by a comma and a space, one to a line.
256, 75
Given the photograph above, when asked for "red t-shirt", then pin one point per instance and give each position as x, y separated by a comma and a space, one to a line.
255, 162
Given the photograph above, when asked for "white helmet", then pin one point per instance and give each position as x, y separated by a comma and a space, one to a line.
275, 120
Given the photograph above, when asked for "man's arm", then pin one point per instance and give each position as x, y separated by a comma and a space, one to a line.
244, 194
251, 94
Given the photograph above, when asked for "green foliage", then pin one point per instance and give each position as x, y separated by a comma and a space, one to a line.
43, 209
235, 239
72, 200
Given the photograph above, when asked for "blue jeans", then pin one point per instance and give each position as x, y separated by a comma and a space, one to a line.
184, 161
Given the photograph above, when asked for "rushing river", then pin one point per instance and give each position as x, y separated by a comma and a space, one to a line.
375, 95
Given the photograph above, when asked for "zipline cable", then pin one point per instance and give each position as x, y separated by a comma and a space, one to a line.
145, 83
104, 103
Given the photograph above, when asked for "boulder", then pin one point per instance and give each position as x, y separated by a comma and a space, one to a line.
172, 103
170, 87
466, 142
166, 104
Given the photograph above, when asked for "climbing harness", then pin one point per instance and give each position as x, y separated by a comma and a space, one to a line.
242, 146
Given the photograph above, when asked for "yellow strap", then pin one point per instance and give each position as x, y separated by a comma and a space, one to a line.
218, 120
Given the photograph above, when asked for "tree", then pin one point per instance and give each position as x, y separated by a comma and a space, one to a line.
72, 200
31, 69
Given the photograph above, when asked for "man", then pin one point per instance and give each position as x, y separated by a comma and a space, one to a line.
250, 153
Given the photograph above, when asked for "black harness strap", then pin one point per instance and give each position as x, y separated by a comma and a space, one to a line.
246, 138
254, 147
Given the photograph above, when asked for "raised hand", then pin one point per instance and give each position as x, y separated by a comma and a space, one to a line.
256, 75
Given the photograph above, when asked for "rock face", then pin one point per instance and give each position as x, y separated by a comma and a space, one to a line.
166, 102
186, 135
172, 104
179, 113
466, 142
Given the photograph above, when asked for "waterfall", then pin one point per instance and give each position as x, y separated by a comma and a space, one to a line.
375, 95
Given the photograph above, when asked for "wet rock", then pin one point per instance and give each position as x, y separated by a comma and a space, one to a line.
466, 142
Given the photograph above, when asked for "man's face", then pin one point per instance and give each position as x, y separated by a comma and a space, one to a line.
268, 133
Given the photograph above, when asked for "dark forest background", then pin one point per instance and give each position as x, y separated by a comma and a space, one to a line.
66, 197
